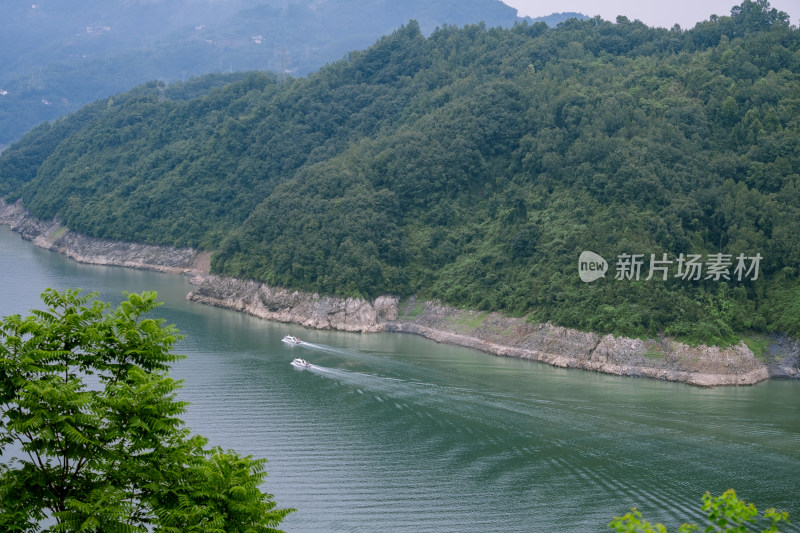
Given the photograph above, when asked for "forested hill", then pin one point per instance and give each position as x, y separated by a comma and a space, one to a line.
474, 166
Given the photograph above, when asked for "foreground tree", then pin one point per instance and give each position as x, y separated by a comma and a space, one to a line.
90, 417
726, 514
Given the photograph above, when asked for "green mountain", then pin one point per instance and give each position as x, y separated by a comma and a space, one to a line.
56, 57
475, 166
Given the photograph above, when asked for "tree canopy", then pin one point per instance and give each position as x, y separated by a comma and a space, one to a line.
90, 420
473, 166
726, 513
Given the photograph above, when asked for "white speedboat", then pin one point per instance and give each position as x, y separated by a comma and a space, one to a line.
289, 339
301, 363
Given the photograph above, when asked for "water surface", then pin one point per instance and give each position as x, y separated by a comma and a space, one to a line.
393, 432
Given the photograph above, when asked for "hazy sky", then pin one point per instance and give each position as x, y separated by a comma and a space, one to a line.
663, 13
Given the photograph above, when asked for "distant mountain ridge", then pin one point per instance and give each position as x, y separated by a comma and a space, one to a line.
55, 57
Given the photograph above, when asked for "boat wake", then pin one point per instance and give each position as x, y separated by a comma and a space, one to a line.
374, 361
327, 349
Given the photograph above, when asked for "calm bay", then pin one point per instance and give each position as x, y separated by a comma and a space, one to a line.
392, 432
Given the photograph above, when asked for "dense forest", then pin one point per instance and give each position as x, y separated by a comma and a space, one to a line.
56, 57
473, 166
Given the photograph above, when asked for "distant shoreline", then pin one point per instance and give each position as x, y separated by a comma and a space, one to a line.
493, 333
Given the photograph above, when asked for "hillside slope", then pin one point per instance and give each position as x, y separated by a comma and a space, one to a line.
474, 166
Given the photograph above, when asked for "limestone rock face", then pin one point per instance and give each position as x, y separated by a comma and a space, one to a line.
52, 236
563, 347
784, 356
282, 305
386, 307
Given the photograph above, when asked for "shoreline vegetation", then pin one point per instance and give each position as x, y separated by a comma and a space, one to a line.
493, 333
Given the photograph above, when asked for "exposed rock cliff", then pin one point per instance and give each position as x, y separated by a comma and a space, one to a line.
51, 235
308, 310
564, 347
490, 332
784, 357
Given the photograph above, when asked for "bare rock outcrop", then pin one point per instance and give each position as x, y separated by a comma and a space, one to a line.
283, 305
563, 347
51, 235
784, 357
490, 332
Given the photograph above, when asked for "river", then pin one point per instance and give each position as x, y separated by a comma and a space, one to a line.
392, 432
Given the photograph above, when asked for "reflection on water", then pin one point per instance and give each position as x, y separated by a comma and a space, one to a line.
392, 432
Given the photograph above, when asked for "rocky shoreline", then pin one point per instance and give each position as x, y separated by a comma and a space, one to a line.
492, 333
51, 235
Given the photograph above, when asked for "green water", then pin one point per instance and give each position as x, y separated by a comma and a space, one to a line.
393, 432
